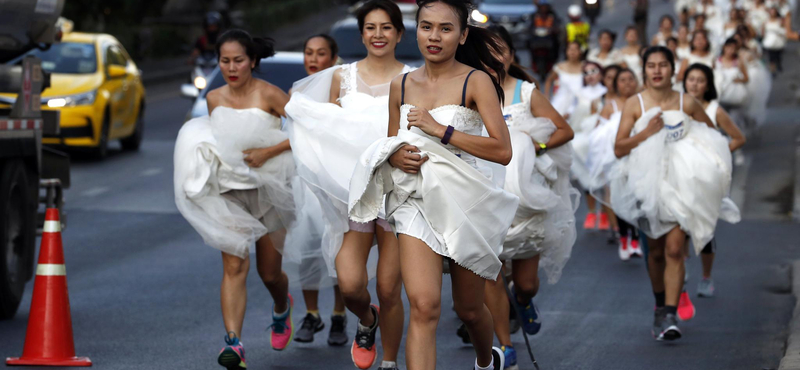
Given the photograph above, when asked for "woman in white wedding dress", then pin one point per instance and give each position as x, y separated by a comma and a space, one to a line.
543, 231
566, 80
672, 180
334, 116
701, 53
233, 183
439, 197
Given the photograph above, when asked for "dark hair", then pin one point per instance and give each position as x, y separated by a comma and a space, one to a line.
671, 38
256, 48
711, 91
614, 67
331, 43
583, 56
610, 33
616, 78
730, 41
705, 34
390, 7
482, 46
514, 70
631, 28
665, 17
656, 50
589, 63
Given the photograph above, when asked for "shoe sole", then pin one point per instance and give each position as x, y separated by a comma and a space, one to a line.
300, 339
496, 352
672, 333
230, 360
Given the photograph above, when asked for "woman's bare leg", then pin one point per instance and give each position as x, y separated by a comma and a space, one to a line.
496, 300
351, 269
233, 292
268, 262
389, 291
468, 289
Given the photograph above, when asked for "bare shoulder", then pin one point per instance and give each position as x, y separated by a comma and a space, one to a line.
632, 106
215, 95
691, 104
481, 79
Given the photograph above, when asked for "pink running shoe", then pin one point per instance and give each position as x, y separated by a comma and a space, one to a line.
604, 224
591, 221
686, 309
282, 328
232, 355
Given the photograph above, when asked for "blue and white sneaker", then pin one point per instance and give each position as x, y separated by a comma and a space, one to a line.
511, 358
531, 322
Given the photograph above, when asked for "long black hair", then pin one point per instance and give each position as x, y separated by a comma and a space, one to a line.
390, 7
656, 50
482, 48
608, 69
256, 48
711, 90
331, 43
514, 70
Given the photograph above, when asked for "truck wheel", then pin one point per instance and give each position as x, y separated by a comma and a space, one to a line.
101, 151
133, 142
17, 235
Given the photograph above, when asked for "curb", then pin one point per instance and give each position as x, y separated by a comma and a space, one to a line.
791, 358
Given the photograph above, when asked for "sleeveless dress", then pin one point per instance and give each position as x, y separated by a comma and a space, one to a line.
583, 122
601, 149
679, 177
230, 204
327, 140
711, 111
566, 91
613, 57
545, 220
730, 92
451, 204
706, 60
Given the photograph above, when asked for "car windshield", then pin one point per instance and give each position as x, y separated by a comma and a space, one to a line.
351, 47
67, 57
282, 75
509, 2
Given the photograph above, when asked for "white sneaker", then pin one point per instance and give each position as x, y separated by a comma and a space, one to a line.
624, 251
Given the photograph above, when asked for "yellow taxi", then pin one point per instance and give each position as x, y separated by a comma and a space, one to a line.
98, 89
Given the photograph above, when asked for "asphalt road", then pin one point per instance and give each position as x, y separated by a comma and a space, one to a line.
144, 289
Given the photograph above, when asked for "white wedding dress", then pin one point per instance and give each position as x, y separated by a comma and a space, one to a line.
566, 91
230, 204
544, 223
601, 149
679, 177
327, 140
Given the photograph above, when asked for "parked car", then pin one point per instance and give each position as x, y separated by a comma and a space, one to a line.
281, 70
514, 15
351, 49
97, 88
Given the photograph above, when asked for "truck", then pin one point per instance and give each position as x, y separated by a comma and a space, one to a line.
32, 177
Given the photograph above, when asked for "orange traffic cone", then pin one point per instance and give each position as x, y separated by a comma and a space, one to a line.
48, 341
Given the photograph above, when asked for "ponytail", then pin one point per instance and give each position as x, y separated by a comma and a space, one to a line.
256, 48
515, 69
482, 47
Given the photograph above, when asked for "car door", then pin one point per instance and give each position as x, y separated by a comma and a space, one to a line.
118, 88
129, 90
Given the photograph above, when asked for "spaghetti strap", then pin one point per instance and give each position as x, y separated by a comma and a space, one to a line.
403, 90
616, 107
681, 101
464, 92
641, 101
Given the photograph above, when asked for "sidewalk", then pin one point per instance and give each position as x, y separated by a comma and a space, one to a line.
289, 38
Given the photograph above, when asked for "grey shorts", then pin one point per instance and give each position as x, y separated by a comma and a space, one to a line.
248, 201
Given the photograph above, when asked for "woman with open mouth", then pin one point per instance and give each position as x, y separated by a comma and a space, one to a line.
334, 115
433, 172
672, 180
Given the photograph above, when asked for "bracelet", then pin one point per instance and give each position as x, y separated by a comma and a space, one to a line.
447, 134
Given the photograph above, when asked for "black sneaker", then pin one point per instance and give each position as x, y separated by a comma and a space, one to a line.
658, 319
311, 325
669, 328
498, 358
337, 335
463, 334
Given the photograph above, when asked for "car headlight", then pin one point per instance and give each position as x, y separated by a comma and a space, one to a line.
73, 100
479, 17
200, 82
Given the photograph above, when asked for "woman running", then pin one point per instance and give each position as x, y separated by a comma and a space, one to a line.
672, 180
732, 76
701, 53
334, 116
631, 53
233, 183
446, 208
605, 54
566, 80
699, 84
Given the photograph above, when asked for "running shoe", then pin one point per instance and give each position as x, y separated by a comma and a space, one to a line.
634, 248
686, 309
624, 252
510, 355
364, 351
498, 358
463, 334
603, 224
658, 320
232, 355
669, 328
337, 335
311, 325
282, 328
591, 221
530, 318
705, 288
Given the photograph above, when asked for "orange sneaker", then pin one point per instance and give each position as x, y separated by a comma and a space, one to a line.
604, 225
591, 221
686, 309
364, 351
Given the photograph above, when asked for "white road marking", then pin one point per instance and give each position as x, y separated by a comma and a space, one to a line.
151, 172
95, 191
